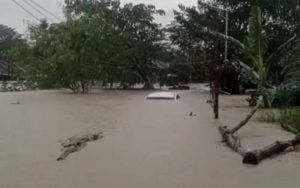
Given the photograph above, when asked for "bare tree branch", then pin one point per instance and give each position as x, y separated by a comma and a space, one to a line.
245, 121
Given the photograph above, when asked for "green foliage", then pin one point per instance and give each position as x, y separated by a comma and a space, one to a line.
287, 96
144, 46
101, 40
133, 41
281, 21
279, 25
20, 53
255, 45
291, 71
288, 93
269, 116
104, 40
201, 50
254, 50
8, 39
289, 119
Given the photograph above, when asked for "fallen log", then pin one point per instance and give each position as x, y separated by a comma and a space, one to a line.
255, 156
228, 134
248, 117
231, 140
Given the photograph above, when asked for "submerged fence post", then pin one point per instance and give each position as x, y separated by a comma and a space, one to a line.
215, 89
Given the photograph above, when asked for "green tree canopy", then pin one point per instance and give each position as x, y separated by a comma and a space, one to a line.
133, 39
280, 23
8, 38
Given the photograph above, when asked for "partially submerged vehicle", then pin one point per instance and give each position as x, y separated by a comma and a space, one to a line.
163, 96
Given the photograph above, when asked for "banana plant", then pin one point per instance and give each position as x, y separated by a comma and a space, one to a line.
254, 49
291, 69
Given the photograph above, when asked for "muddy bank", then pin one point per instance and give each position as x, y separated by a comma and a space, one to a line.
146, 144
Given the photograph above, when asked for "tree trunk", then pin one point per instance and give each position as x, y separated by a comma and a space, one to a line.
124, 85
216, 99
84, 86
231, 140
82, 83
74, 87
148, 84
248, 117
228, 134
255, 156
216, 90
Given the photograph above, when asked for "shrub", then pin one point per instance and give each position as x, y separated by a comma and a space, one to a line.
289, 119
287, 97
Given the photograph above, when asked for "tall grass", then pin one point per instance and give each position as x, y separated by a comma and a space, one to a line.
289, 119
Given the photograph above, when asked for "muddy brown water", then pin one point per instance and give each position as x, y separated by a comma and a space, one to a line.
146, 144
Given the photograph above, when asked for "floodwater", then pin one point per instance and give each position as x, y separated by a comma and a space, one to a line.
146, 144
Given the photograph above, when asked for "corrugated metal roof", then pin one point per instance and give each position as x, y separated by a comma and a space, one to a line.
9, 69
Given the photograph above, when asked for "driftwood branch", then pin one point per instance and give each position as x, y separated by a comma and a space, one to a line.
248, 117
231, 140
229, 136
255, 156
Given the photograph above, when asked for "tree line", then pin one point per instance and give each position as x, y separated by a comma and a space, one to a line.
100, 40
104, 40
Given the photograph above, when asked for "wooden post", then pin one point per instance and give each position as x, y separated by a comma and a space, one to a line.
216, 98
216, 85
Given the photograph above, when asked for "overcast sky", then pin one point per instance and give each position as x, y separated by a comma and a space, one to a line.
14, 16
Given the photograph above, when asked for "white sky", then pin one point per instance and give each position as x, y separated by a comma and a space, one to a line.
13, 16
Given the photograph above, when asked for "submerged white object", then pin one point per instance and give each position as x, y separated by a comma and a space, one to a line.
163, 95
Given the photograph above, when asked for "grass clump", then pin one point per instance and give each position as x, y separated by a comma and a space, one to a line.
289, 119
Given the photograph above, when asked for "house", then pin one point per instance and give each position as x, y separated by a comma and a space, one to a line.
10, 71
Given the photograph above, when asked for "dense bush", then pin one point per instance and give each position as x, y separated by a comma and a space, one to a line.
287, 97
290, 119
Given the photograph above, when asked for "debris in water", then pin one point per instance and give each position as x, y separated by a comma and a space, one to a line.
192, 114
16, 103
209, 101
74, 144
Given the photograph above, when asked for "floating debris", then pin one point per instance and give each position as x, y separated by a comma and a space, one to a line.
74, 144
16, 103
192, 114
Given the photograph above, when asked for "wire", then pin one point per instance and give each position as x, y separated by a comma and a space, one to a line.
41, 7
27, 11
36, 9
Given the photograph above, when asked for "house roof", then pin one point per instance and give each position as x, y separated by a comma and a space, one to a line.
9, 68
